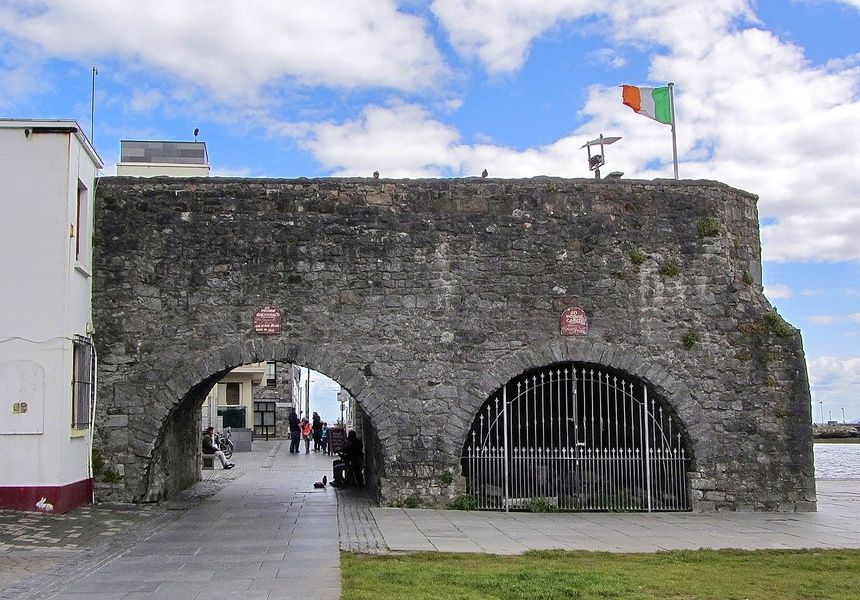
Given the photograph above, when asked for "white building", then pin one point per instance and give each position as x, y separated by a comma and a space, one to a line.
145, 158
258, 396
47, 361
233, 395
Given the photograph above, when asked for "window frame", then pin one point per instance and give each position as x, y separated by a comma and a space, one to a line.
272, 381
83, 382
238, 388
82, 208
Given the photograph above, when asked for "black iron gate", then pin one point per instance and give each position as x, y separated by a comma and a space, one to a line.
577, 438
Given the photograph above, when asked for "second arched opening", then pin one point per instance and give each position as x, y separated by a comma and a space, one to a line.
577, 437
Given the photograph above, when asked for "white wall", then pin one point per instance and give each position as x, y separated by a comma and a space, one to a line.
45, 301
249, 376
161, 170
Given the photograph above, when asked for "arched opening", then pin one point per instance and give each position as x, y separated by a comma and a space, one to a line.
577, 437
254, 400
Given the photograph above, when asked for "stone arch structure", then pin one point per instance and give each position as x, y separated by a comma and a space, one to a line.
422, 297
174, 465
546, 374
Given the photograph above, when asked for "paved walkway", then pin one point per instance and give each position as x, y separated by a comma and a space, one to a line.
835, 525
262, 531
266, 533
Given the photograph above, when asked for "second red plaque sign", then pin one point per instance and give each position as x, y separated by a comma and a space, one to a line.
574, 321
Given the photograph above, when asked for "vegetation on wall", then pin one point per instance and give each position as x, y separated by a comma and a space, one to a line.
464, 503
669, 268
637, 257
777, 325
690, 338
446, 478
709, 227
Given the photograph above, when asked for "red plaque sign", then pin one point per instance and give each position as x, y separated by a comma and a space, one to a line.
574, 321
267, 320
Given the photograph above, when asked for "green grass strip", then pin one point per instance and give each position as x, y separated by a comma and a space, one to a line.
558, 575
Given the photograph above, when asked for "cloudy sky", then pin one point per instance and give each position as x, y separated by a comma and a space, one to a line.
767, 96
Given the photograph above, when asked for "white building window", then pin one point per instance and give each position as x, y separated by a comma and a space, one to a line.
82, 383
271, 374
233, 393
82, 253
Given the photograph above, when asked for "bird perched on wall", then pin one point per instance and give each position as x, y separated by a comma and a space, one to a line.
376, 174
484, 173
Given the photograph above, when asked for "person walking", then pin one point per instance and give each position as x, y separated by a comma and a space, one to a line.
317, 427
307, 434
295, 431
324, 437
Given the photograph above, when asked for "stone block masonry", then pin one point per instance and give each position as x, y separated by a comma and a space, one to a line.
423, 297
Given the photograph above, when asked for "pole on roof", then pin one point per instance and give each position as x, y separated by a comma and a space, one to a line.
93, 110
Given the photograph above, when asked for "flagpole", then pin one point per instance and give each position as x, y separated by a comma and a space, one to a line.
674, 142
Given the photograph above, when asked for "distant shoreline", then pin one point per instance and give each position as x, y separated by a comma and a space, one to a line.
838, 433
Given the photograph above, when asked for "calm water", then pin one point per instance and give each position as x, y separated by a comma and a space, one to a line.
837, 461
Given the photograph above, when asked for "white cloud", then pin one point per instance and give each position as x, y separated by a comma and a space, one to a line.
323, 397
813, 292
824, 319
222, 171
499, 33
778, 290
831, 319
234, 50
20, 74
408, 141
609, 57
836, 383
751, 107
145, 101
405, 141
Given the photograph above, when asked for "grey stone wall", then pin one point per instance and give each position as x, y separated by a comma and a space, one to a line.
423, 297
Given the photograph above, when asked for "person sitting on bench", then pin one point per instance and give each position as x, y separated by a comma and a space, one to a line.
210, 447
347, 469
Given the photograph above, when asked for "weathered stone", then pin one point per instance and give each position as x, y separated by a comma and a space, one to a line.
423, 297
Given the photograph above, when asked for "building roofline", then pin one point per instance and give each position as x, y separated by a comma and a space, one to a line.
161, 164
166, 141
205, 149
70, 126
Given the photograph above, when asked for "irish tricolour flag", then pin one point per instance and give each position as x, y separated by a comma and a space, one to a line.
651, 102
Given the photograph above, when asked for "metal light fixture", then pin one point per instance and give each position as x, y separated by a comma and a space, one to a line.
595, 161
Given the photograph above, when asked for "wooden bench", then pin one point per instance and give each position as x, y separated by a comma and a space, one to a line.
208, 461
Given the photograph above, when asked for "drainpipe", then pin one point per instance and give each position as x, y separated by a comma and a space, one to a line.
93, 423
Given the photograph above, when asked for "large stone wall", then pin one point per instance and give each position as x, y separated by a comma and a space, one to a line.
423, 297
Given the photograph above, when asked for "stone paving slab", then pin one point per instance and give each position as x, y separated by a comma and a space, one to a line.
257, 531
835, 525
